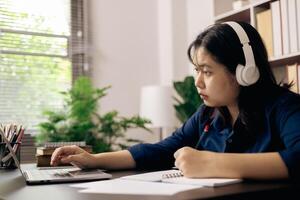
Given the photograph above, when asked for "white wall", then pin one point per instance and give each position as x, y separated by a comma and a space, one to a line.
141, 42
200, 14
123, 36
180, 42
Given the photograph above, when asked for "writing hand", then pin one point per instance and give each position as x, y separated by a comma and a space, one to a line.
194, 163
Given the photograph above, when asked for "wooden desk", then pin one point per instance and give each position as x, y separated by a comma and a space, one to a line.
13, 187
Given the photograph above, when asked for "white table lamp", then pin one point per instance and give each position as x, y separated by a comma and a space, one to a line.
157, 106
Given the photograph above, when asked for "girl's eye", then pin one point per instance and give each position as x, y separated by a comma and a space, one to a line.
203, 71
207, 73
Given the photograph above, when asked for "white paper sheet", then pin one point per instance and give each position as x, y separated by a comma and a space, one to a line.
149, 184
129, 187
85, 185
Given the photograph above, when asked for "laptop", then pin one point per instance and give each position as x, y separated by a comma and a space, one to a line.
57, 175
62, 175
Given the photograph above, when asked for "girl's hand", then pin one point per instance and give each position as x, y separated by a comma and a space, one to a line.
73, 155
196, 164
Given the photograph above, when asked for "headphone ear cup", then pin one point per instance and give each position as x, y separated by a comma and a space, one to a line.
250, 75
239, 75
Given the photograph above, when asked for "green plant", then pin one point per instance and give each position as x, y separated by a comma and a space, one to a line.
79, 120
189, 100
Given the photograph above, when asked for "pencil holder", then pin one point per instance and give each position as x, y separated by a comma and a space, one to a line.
6, 160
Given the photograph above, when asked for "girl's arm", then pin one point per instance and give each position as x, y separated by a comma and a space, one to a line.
252, 166
81, 158
195, 163
115, 160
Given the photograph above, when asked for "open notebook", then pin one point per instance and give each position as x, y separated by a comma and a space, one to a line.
175, 176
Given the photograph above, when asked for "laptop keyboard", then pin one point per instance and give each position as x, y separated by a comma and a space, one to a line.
46, 174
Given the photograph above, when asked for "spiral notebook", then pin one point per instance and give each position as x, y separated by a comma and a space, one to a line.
176, 177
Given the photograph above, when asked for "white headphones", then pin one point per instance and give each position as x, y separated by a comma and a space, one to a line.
248, 74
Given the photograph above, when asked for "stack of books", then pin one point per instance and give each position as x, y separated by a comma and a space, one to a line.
28, 149
44, 153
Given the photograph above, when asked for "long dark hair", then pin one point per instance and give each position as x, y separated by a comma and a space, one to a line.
223, 44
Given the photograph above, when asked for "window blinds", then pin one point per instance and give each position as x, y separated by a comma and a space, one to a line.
41, 49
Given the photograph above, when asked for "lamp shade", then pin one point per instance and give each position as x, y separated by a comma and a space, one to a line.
157, 105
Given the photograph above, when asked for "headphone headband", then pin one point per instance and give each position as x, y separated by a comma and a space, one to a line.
249, 73
244, 40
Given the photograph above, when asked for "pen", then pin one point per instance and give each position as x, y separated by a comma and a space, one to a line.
205, 131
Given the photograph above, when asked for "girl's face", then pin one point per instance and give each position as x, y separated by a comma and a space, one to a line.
216, 85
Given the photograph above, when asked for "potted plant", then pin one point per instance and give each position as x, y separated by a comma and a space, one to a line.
188, 101
79, 120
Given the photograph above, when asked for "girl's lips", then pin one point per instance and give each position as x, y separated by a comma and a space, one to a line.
203, 96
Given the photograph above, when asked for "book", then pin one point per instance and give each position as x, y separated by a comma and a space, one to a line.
44, 153
50, 150
176, 177
265, 31
285, 26
276, 26
292, 16
298, 22
43, 160
292, 76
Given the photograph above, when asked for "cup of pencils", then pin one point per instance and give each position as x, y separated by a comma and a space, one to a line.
7, 160
10, 145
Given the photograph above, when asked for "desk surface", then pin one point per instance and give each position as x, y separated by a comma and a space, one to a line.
13, 186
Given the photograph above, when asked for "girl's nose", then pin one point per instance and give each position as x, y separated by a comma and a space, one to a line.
199, 83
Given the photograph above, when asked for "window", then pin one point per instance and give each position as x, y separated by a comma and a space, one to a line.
40, 43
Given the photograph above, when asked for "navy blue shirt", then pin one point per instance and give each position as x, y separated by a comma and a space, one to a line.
281, 133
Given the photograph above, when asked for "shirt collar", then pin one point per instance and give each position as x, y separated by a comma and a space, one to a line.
218, 123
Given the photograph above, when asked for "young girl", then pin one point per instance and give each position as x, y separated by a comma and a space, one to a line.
247, 127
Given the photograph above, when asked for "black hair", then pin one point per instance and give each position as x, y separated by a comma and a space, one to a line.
223, 44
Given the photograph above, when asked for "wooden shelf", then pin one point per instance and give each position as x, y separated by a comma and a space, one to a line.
242, 14
235, 15
263, 3
247, 13
285, 59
